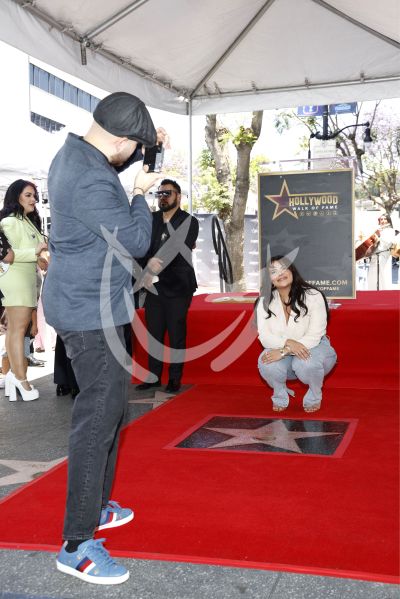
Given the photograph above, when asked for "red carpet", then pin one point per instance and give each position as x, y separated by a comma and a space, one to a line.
320, 514
363, 331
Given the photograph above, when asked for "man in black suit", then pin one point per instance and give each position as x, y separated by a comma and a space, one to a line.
170, 282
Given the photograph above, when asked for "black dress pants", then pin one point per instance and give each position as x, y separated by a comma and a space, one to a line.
63, 372
166, 314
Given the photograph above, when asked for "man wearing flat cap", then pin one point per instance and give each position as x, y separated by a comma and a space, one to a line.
95, 233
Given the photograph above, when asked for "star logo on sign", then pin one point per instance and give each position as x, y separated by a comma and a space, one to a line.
281, 202
274, 434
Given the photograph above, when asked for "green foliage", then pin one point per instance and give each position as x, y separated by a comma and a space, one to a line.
244, 136
205, 160
209, 194
283, 121
224, 136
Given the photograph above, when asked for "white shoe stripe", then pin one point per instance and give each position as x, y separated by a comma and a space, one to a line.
89, 568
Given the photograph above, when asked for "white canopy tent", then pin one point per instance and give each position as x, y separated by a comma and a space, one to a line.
218, 55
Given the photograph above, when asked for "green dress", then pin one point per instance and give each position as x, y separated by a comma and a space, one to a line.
18, 285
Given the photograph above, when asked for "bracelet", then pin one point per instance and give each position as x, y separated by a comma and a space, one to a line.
139, 189
283, 353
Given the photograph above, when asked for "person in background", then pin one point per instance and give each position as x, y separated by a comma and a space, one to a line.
292, 325
6, 258
95, 229
20, 222
30, 334
45, 340
380, 267
64, 376
175, 284
29, 358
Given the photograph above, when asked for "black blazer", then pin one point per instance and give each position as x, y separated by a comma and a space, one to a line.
177, 279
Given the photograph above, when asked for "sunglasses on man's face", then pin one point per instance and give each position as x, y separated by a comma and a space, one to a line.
164, 194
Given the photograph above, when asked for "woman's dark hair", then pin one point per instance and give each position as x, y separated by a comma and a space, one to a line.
12, 206
297, 292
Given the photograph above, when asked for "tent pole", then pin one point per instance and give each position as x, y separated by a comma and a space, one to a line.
190, 157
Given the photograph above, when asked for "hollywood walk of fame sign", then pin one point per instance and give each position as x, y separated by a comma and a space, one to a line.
314, 212
270, 435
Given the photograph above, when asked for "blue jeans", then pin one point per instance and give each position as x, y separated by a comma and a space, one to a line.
311, 372
97, 417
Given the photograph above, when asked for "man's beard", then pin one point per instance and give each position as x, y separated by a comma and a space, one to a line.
169, 207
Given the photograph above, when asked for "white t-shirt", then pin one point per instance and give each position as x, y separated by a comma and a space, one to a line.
308, 329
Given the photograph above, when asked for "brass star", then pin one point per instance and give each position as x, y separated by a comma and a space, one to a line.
274, 434
159, 398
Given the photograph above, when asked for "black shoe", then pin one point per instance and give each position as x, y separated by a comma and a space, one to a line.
173, 386
32, 361
74, 392
145, 386
62, 390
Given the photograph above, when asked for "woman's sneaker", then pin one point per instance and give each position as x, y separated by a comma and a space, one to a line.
92, 563
114, 515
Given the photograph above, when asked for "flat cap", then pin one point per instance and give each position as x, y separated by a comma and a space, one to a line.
125, 115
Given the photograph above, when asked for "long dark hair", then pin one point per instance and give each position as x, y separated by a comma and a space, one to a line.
297, 293
12, 206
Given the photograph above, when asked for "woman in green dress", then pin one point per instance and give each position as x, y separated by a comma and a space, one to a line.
21, 224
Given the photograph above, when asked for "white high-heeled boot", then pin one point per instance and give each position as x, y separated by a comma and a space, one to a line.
27, 395
7, 380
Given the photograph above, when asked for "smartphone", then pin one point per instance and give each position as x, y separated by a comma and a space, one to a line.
154, 158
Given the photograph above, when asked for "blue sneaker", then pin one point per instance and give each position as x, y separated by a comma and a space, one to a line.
114, 515
92, 563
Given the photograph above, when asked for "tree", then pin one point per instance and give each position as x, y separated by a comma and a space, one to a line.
229, 188
378, 168
380, 179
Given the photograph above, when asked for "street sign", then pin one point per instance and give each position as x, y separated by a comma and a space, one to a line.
342, 108
310, 110
314, 110
321, 148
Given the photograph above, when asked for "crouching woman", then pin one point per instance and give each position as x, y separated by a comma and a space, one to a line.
292, 328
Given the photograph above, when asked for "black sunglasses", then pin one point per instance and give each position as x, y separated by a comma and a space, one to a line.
164, 194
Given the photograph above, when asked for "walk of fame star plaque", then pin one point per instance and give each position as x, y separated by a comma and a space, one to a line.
327, 438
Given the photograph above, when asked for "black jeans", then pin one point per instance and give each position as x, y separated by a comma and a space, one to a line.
97, 417
167, 314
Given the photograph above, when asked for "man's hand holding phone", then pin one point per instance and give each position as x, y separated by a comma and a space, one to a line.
145, 180
154, 158
148, 176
